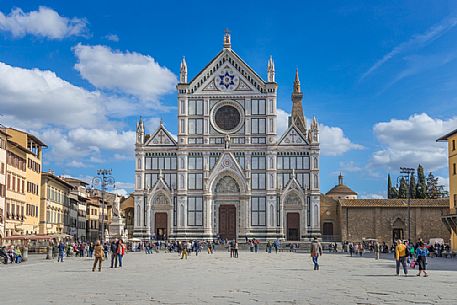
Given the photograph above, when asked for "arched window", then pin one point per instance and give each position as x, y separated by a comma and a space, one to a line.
316, 181
139, 163
181, 215
316, 164
272, 213
138, 215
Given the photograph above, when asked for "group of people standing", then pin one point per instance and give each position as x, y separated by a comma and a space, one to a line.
407, 253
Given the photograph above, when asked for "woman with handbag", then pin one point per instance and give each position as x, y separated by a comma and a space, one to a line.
421, 254
98, 256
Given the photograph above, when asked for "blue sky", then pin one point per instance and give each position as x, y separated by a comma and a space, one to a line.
380, 77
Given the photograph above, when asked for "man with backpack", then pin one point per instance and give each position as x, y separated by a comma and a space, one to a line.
401, 256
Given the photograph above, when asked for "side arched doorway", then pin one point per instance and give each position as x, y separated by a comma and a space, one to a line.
226, 203
161, 226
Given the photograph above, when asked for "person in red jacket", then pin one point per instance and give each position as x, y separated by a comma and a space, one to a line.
120, 251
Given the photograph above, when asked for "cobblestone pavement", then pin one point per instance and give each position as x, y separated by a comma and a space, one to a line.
253, 278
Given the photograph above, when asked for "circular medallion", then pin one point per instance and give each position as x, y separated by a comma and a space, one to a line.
226, 80
227, 117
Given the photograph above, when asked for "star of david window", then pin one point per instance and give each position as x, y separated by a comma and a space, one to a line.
227, 117
226, 80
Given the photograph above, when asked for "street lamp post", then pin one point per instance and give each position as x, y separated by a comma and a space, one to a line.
103, 179
407, 172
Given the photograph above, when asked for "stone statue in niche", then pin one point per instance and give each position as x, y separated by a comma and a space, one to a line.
227, 141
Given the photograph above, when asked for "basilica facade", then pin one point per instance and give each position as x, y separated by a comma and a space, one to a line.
228, 174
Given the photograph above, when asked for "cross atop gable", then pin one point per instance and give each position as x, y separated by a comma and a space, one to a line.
292, 136
161, 138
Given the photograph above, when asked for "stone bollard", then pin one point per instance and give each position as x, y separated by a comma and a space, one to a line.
25, 254
49, 254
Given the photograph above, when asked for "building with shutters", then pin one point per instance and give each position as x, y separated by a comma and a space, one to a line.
228, 173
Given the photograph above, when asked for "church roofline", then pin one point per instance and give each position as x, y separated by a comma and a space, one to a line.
151, 136
223, 51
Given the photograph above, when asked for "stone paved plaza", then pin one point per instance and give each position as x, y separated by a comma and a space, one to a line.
253, 278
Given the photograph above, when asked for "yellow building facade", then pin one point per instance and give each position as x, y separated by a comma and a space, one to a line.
54, 199
3, 141
451, 219
15, 202
30, 183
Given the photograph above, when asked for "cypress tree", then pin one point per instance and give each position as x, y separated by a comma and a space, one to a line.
389, 187
421, 187
433, 190
412, 186
403, 189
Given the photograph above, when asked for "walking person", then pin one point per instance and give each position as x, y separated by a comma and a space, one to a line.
351, 249
184, 251
377, 250
120, 252
235, 249
421, 258
316, 251
400, 257
98, 256
113, 254
61, 251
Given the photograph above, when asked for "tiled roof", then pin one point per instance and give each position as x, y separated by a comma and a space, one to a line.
341, 189
127, 203
394, 203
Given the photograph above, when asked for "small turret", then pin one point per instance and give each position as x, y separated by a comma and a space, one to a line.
140, 132
227, 40
271, 70
313, 135
297, 116
183, 71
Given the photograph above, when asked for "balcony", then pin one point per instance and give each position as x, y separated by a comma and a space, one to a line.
450, 220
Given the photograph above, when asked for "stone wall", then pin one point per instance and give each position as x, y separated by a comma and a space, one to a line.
379, 223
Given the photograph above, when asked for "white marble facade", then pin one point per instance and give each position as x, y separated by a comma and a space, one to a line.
228, 173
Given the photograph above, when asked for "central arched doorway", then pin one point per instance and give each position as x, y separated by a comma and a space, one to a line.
227, 192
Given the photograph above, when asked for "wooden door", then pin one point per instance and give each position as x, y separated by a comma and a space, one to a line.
227, 222
161, 225
293, 226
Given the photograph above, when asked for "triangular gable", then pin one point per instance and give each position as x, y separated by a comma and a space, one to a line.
227, 162
294, 187
161, 138
293, 136
249, 80
227, 78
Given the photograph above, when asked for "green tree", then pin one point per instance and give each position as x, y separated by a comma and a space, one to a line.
389, 187
421, 186
403, 189
412, 185
433, 189
394, 192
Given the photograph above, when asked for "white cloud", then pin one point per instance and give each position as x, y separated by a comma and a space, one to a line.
415, 42
151, 124
131, 73
40, 98
282, 120
444, 181
412, 141
350, 166
372, 196
120, 192
77, 147
333, 142
112, 37
43, 23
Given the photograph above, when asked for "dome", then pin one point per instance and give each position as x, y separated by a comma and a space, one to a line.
341, 189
